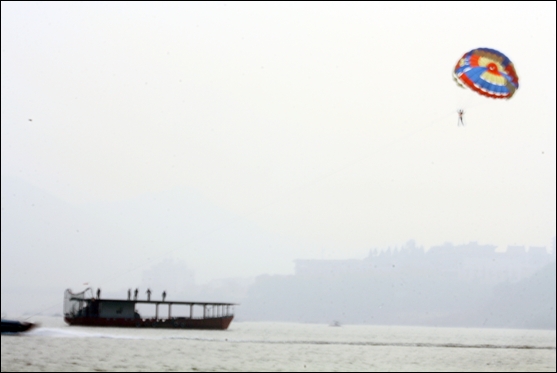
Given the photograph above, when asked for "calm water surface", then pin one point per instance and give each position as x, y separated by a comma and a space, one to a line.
256, 346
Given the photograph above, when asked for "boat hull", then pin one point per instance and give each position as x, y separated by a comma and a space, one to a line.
217, 323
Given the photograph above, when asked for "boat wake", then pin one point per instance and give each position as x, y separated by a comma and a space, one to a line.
64, 333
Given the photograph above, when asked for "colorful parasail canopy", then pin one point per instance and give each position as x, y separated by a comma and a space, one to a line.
488, 72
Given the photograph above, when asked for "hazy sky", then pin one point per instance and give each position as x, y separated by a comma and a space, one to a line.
331, 123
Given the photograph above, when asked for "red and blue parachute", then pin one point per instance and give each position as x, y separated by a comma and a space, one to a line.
488, 72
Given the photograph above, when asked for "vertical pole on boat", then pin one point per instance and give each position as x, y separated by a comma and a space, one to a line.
157, 311
169, 307
204, 310
191, 311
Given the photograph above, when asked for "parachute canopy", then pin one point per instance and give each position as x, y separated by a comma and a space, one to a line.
488, 72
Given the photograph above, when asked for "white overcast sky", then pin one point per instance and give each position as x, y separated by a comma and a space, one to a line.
333, 123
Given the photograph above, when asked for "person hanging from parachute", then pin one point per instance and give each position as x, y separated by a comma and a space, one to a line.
487, 72
460, 115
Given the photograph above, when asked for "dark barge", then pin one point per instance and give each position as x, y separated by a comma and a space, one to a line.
85, 310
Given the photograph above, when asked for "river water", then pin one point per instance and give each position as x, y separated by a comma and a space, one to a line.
266, 346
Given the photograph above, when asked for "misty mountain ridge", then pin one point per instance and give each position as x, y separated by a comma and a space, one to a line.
467, 285
138, 233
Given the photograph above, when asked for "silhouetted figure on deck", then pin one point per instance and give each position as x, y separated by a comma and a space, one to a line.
163, 295
99, 293
148, 294
135, 293
129, 294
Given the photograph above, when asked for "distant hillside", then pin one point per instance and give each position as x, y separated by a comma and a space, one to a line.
529, 303
395, 296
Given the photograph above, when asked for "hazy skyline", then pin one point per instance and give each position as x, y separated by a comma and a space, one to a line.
287, 130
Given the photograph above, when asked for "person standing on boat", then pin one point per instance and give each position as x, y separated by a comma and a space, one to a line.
163, 295
99, 293
148, 294
135, 293
129, 294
